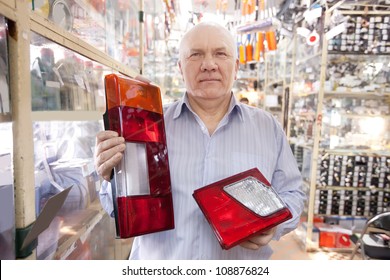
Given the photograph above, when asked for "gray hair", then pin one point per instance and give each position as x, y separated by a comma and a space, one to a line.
221, 28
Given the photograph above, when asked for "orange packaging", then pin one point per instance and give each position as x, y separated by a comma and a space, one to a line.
242, 54
248, 48
249, 52
259, 46
271, 40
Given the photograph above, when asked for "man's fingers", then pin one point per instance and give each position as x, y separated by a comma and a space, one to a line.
261, 240
106, 145
109, 149
257, 241
250, 245
105, 168
106, 134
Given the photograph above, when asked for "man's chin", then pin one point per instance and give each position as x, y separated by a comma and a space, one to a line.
210, 94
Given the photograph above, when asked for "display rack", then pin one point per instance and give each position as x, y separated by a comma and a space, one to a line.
338, 126
278, 65
57, 101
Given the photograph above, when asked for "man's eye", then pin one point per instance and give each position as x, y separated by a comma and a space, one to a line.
195, 55
221, 54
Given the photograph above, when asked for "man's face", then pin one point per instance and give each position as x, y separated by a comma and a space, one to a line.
207, 63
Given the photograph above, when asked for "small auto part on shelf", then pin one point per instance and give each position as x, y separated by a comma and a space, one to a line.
61, 14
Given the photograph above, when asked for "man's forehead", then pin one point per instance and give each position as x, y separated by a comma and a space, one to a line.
204, 37
208, 47
208, 43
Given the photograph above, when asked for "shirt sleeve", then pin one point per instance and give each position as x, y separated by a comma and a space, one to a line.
287, 182
105, 195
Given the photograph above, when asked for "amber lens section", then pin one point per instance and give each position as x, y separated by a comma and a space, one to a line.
132, 93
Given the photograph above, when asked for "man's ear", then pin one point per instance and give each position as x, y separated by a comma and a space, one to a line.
236, 67
181, 70
179, 64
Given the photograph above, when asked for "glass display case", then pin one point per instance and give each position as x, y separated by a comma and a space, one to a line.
305, 87
302, 106
56, 81
61, 81
277, 78
5, 105
250, 83
113, 27
110, 26
356, 107
339, 125
7, 203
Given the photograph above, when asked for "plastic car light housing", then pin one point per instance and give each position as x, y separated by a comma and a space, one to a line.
241, 206
141, 182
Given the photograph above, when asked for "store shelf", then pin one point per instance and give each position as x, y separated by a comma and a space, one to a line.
78, 227
255, 26
7, 9
306, 94
356, 53
304, 145
306, 59
66, 116
366, 96
338, 188
360, 116
355, 152
74, 227
357, 94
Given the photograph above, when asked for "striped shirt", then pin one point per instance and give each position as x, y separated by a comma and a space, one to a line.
245, 138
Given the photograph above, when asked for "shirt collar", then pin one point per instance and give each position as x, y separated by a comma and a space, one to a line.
234, 106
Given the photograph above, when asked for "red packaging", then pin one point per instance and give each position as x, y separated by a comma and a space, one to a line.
241, 206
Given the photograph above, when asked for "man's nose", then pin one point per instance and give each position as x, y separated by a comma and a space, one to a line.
208, 63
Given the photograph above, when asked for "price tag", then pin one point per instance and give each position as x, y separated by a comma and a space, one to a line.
79, 81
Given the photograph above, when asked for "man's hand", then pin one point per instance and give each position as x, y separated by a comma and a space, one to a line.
108, 152
259, 240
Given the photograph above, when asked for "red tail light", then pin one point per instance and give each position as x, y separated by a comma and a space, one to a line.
240, 207
141, 183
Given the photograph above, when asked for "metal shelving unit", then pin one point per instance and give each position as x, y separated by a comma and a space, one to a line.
311, 128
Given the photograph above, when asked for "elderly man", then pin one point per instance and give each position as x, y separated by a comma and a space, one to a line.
211, 136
